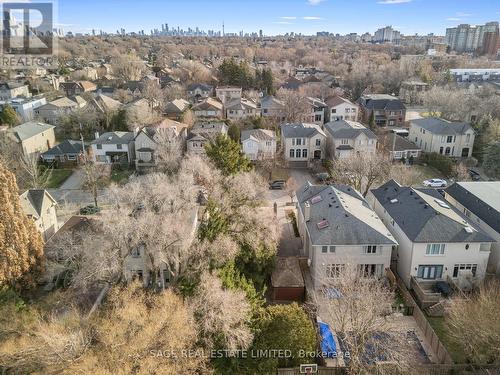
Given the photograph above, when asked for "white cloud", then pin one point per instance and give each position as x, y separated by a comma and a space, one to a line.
389, 2
462, 14
283, 23
314, 2
309, 18
288, 18
453, 19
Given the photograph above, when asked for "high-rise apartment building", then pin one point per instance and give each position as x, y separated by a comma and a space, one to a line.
469, 38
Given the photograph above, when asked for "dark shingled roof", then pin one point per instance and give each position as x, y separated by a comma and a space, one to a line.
439, 126
348, 129
382, 101
422, 219
401, 144
66, 147
115, 138
484, 210
300, 130
351, 221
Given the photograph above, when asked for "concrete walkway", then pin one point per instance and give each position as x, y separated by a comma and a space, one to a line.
73, 182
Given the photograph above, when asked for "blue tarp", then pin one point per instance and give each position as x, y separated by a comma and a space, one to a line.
328, 347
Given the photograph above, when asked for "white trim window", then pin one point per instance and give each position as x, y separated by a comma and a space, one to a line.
435, 249
334, 270
370, 249
471, 267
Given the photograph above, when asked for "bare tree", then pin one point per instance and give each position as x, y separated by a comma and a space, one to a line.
296, 105
169, 150
479, 339
152, 92
34, 175
95, 177
221, 313
291, 187
361, 170
358, 305
128, 67
406, 175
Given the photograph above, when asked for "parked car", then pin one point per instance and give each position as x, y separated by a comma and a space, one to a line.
277, 185
435, 182
474, 175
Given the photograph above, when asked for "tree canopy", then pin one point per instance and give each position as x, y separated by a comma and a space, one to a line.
227, 156
21, 245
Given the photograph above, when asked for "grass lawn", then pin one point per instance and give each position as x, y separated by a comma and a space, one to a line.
119, 176
427, 172
57, 177
456, 351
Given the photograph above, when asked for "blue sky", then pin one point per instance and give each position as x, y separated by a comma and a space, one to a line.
276, 16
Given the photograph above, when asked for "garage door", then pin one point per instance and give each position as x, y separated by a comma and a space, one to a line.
297, 164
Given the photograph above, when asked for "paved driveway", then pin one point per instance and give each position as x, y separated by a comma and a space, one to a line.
74, 181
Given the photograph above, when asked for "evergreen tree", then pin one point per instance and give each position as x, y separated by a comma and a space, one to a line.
227, 156
21, 245
9, 116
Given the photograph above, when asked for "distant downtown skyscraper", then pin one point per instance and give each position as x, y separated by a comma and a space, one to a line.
470, 38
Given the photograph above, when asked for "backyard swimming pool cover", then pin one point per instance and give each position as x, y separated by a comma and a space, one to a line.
328, 347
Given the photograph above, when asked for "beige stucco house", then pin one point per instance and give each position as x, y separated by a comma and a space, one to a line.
302, 143
337, 227
346, 138
33, 137
39, 206
436, 241
454, 139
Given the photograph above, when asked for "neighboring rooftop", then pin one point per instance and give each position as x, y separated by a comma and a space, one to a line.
482, 198
424, 216
348, 129
437, 125
258, 135
400, 144
32, 201
339, 215
30, 129
114, 138
382, 101
301, 129
67, 146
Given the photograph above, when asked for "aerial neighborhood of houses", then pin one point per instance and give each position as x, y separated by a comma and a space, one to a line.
184, 151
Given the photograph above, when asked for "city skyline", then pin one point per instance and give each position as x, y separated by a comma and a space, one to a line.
299, 16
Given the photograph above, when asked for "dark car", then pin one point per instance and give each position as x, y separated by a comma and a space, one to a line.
474, 175
277, 185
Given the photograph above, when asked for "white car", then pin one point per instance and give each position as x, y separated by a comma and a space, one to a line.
435, 182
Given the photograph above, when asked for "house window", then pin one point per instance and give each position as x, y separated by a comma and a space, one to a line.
99, 147
136, 252
318, 142
467, 138
370, 270
447, 151
324, 249
370, 249
334, 110
449, 139
119, 146
345, 141
334, 270
435, 249
471, 267
298, 141
268, 143
347, 110
318, 118
265, 110
430, 272
304, 153
292, 153
441, 150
